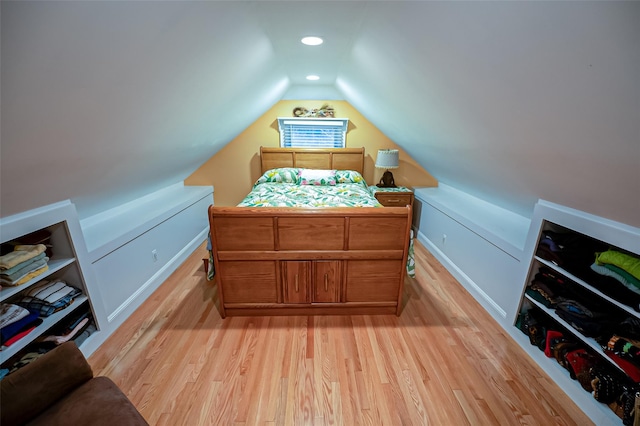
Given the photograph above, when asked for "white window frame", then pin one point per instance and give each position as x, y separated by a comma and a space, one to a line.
313, 132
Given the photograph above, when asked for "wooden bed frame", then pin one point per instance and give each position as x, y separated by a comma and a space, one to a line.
306, 261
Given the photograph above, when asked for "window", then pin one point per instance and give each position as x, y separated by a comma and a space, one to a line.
306, 132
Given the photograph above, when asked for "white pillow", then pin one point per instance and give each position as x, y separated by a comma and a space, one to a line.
317, 177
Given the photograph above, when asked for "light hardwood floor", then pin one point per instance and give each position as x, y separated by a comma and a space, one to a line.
444, 361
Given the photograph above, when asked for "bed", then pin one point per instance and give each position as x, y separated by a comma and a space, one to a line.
310, 239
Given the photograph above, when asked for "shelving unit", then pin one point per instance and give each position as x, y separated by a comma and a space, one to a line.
547, 217
65, 263
565, 325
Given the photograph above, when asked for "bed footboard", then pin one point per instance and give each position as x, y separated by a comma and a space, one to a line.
293, 261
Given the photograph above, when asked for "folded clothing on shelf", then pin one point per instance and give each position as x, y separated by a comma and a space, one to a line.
10, 313
23, 264
49, 297
71, 327
77, 326
20, 254
27, 274
570, 250
588, 326
627, 262
12, 332
612, 287
542, 293
41, 236
615, 273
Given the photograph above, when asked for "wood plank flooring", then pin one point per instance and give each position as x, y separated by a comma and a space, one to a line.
444, 361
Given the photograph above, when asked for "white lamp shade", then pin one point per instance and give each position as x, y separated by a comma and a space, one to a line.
387, 159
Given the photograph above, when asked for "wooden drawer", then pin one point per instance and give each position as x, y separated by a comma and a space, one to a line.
395, 199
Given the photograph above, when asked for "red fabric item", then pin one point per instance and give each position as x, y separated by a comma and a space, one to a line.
18, 336
630, 368
551, 334
578, 361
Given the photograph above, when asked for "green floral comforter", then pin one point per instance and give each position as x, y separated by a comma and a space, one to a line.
270, 194
294, 187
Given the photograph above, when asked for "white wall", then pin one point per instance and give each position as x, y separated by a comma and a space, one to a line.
105, 102
480, 244
509, 101
133, 248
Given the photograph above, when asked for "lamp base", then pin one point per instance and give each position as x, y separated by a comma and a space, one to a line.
387, 180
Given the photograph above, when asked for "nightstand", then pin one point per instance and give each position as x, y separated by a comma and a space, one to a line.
393, 197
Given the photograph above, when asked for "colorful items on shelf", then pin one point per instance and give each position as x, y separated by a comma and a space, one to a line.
613, 272
17, 322
595, 337
23, 264
38, 302
77, 327
49, 297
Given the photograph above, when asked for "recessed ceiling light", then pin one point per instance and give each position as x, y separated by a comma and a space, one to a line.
313, 77
311, 41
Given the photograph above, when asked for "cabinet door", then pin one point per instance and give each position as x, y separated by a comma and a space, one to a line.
248, 281
327, 279
295, 277
373, 280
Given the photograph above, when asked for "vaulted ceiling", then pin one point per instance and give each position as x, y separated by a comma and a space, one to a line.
103, 102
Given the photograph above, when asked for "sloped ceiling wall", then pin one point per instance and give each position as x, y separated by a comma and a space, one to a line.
103, 102
511, 101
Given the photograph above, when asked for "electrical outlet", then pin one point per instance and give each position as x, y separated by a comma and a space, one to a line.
154, 255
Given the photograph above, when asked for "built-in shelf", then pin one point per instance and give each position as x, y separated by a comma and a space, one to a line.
595, 232
66, 244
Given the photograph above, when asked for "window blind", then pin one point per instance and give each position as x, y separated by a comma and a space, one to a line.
313, 133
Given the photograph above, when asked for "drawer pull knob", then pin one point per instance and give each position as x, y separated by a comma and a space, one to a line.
296, 282
326, 283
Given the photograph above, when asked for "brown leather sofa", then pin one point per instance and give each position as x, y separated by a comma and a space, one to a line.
59, 389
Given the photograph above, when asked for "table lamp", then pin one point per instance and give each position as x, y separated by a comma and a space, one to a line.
387, 159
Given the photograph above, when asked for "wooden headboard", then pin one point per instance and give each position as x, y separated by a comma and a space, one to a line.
313, 158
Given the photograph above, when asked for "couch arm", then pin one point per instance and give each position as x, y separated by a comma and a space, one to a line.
27, 392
